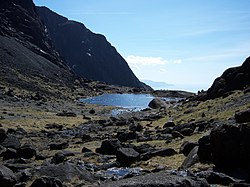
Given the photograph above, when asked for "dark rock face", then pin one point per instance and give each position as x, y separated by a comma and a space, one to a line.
7, 177
232, 79
25, 49
228, 147
88, 54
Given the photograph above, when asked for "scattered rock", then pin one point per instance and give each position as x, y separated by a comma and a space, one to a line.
92, 111
186, 147
59, 146
169, 124
67, 114
3, 135
191, 159
125, 136
213, 177
243, 116
47, 182
144, 148
204, 150
26, 151
135, 127
84, 150
160, 179
54, 126
7, 177
11, 142
177, 134
9, 154
126, 156
160, 152
109, 147
58, 158
65, 172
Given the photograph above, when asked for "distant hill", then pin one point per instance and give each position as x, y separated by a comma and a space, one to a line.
157, 85
88, 54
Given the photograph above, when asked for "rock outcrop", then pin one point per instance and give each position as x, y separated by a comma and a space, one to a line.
235, 78
88, 54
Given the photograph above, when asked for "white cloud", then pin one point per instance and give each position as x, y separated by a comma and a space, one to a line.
145, 61
178, 61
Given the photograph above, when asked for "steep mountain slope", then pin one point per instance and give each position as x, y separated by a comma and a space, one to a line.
88, 54
27, 59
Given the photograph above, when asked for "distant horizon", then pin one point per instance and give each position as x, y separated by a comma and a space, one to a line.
184, 43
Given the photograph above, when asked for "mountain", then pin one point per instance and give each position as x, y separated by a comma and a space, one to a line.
88, 54
27, 58
235, 78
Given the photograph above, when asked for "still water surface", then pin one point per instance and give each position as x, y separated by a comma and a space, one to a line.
128, 101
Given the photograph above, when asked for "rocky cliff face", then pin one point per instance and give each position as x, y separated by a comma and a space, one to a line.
235, 78
27, 59
88, 54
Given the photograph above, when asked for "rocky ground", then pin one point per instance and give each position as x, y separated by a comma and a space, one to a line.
63, 142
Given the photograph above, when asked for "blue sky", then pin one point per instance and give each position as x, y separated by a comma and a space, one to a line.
187, 43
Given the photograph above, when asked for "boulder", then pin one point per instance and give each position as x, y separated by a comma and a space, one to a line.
125, 136
58, 146
186, 147
169, 124
230, 146
144, 148
11, 142
109, 147
243, 116
66, 114
3, 135
26, 151
204, 150
126, 156
159, 179
157, 103
65, 172
159, 152
7, 177
47, 182
191, 159
213, 177
58, 158
9, 154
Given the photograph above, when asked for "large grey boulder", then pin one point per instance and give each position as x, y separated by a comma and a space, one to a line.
157, 103
160, 179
